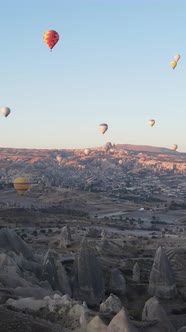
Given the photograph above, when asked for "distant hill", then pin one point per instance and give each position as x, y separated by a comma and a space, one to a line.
69, 152
143, 148
100, 168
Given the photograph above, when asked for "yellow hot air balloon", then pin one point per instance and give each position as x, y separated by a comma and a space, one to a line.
151, 122
173, 64
174, 147
177, 57
21, 185
103, 127
5, 111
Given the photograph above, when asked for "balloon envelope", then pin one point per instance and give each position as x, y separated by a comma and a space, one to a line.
103, 127
21, 185
173, 64
59, 158
51, 38
87, 151
5, 111
174, 147
151, 122
177, 57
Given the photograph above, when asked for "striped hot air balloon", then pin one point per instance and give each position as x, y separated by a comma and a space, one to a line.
51, 38
21, 185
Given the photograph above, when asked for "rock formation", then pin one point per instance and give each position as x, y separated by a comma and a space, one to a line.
10, 241
83, 320
88, 282
96, 325
10, 274
54, 272
63, 281
153, 311
11, 321
136, 273
105, 234
121, 323
117, 283
49, 272
161, 281
33, 291
93, 232
65, 238
111, 305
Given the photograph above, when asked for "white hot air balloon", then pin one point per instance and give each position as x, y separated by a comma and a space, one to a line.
5, 111
174, 147
59, 158
176, 57
87, 151
151, 122
103, 127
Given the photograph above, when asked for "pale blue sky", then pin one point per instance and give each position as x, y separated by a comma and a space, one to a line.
110, 65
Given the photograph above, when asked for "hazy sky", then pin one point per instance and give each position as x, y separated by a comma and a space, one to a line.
110, 65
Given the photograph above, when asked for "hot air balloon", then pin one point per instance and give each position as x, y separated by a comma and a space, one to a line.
174, 147
173, 64
5, 111
103, 127
177, 57
87, 151
59, 158
50, 37
21, 185
151, 122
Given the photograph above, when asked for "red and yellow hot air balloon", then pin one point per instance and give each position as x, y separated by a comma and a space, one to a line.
21, 185
51, 38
